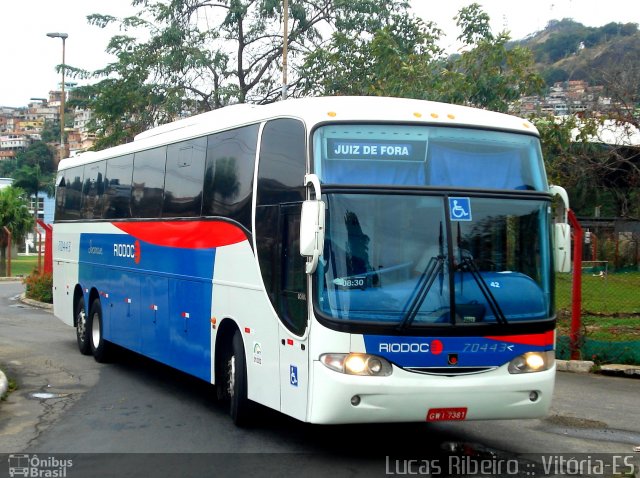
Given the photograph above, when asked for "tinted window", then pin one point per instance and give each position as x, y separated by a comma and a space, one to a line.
282, 162
118, 187
93, 190
229, 174
185, 175
61, 190
280, 193
148, 182
293, 306
69, 193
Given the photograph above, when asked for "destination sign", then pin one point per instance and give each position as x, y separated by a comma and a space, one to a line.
387, 150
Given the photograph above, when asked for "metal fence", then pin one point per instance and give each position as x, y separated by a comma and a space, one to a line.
610, 306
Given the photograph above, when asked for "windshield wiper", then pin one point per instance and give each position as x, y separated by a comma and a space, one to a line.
427, 278
491, 299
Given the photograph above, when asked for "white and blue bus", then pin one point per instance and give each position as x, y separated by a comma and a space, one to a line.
341, 260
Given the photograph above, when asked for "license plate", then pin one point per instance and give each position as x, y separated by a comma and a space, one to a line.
446, 414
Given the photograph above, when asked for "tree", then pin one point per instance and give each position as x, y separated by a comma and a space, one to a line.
198, 55
33, 169
14, 215
594, 173
397, 55
389, 54
581, 154
487, 74
39, 155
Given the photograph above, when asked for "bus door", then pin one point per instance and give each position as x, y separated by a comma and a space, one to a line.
291, 298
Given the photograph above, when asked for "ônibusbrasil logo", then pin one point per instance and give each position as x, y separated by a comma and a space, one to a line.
128, 251
22, 464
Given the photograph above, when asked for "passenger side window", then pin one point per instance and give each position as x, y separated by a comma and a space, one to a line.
93, 190
185, 176
69, 194
118, 187
228, 182
148, 183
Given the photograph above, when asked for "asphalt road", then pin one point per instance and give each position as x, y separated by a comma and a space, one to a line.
135, 417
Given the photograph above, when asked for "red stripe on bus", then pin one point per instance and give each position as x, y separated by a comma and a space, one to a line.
540, 340
184, 234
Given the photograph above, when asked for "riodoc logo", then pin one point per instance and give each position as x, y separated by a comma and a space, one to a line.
435, 347
131, 251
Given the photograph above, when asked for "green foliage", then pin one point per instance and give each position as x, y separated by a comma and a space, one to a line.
593, 173
14, 213
33, 168
39, 287
397, 55
387, 54
190, 56
51, 131
15, 216
487, 74
38, 154
568, 50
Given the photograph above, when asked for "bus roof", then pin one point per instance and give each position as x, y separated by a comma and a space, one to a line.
313, 111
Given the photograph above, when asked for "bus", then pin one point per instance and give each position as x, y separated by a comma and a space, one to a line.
337, 259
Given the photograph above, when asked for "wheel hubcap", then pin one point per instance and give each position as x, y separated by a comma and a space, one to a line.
82, 323
232, 376
95, 330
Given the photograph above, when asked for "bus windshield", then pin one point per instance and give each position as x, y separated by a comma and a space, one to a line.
429, 257
395, 259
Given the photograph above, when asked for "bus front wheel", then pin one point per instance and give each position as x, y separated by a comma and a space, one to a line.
240, 407
83, 333
100, 348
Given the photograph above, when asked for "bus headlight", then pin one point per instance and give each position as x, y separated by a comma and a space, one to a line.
357, 364
532, 362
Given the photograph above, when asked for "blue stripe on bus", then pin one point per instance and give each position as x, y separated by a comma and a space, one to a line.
155, 300
438, 351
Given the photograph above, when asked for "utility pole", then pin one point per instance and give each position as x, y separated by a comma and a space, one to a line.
284, 49
63, 147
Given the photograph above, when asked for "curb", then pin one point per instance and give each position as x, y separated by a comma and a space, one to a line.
624, 370
4, 383
576, 366
587, 366
35, 303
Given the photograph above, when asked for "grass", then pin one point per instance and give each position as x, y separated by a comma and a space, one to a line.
22, 266
610, 306
607, 329
611, 295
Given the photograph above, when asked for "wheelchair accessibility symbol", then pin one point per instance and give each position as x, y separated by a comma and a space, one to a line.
460, 209
293, 375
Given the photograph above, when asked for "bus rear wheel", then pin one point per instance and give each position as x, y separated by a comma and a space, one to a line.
100, 348
240, 407
83, 333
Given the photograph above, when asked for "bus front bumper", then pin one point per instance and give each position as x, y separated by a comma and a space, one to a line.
404, 396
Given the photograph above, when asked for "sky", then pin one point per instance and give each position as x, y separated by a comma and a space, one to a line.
28, 57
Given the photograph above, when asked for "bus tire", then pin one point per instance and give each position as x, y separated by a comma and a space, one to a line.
240, 407
100, 348
83, 332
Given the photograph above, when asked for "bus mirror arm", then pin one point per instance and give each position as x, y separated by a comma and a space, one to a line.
315, 182
312, 232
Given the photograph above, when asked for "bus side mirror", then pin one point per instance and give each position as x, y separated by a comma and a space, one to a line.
312, 232
562, 247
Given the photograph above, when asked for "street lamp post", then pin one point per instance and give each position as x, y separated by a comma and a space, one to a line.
63, 36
